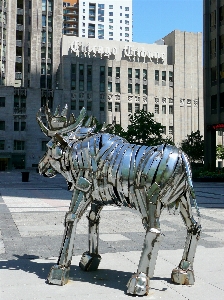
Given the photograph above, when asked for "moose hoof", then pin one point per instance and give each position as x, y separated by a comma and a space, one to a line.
58, 275
89, 262
181, 276
138, 284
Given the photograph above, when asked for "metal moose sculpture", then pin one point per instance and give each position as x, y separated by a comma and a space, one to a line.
103, 169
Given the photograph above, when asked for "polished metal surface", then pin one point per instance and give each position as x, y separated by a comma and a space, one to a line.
104, 169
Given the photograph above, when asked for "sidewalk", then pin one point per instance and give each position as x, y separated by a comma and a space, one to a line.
31, 228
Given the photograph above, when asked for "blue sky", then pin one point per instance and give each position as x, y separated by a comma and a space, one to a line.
154, 19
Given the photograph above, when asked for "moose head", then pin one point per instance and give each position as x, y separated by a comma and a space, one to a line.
61, 131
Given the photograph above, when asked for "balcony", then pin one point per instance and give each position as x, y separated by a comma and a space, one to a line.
18, 75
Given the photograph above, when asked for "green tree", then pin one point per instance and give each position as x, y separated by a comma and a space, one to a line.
143, 129
220, 151
193, 146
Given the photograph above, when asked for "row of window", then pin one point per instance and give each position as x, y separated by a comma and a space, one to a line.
18, 125
17, 145
163, 109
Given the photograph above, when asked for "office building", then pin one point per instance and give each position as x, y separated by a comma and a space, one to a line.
213, 78
100, 19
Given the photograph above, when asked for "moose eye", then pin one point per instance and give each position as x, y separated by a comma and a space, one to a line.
50, 144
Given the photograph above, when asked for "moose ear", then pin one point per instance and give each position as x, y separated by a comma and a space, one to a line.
60, 140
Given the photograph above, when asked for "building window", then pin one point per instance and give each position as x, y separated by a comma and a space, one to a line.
156, 109
156, 75
171, 109
126, 28
2, 101
164, 129
81, 85
163, 109
110, 71
130, 73
171, 130
118, 88
89, 86
117, 107
213, 20
213, 48
102, 106
2, 125
145, 92
2, 145
144, 107
222, 102
109, 106
137, 107
16, 126
130, 88
19, 145
73, 104
214, 104
126, 8
137, 88
126, 15
111, 13
213, 75
111, 20
144, 74
170, 76
102, 86
89, 105
111, 33
221, 43
126, 22
44, 146
111, 27
81, 104
110, 87
163, 75
137, 73
130, 107
117, 72
110, 6
89, 78
73, 76
221, 15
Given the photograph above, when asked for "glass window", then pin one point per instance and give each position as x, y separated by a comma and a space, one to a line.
126, 28
117, 107
130, 88
126, 34
2, 125
137, 107
213, 20
81, 70
117, 72
144, 74
89, 70
171, 130
23, 126
81, 104
170, 76
130, 107
144, 107
111, 13
89, 105
137, 73
102, 106
145, 92
171, 109
89, 86
164, 129
2, 101
111, 33
110, 6
19, 145
163, 75
43, 5
73, 104
109, 106
130, 73
110, 87
2, 145
81, 85
213, 74
111, 20
163, 109
102, 86
110, 71
157, 75
214, 104
137, 88
43, 21
126, 15
126, 8
126, 22
118, 88
156, 109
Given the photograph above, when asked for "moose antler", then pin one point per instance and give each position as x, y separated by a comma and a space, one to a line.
58, 123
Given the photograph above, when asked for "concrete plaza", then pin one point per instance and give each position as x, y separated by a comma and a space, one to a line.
31, 229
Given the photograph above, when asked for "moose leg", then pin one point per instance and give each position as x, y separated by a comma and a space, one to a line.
139, 283
91, 259
59, 274
184, 273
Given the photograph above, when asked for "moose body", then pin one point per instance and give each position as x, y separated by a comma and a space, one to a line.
101, 169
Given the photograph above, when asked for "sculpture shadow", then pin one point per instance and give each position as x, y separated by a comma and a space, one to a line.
114, 279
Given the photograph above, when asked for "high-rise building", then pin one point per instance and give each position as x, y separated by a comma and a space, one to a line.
100, 19
213, 78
